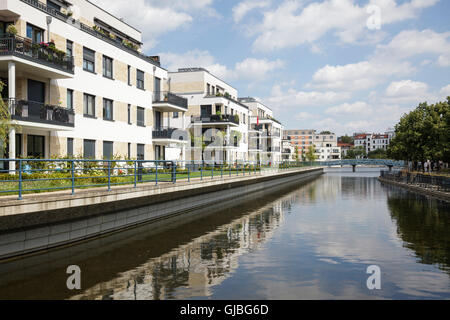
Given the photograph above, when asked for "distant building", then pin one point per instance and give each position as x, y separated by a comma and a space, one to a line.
371, 142
302, 139
326, 147
345, 148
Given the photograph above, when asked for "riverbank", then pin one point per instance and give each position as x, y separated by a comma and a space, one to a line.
418, 189
43, 221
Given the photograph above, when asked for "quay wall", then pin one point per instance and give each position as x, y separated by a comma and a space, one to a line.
46, 221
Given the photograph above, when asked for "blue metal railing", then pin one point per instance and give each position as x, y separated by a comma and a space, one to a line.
24, 176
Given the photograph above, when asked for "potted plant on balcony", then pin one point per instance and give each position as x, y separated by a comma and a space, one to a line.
236, 118
11, 30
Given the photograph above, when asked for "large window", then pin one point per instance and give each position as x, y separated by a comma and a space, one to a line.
69, 99
107, 67
140, 79
89, 149
107, 109
35, 146
35, 34
89, 105
108, 149
140, 117
88, 60
141, 152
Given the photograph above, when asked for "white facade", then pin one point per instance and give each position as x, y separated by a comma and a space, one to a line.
326, 147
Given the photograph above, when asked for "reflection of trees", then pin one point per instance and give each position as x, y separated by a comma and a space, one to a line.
425, 228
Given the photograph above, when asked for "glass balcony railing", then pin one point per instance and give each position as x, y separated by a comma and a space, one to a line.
216, 119
168, 133
37, 52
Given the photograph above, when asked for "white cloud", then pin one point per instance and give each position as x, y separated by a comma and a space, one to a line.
154, 18
292, 24
445, 91
389, 60
406, 88
281, 100
249, 69
356, 108
305, 116
241, 10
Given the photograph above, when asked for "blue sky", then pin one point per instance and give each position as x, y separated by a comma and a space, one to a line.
339, 65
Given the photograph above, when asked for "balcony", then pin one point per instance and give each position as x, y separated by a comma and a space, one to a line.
42, 54
167, 134
40, 114
216, 120
169, 102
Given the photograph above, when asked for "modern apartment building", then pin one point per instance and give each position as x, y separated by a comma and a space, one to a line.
326, 146
78, 84
265, 132
302, 139
288, 151
217, 121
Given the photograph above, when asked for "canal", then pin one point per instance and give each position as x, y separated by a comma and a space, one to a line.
311, 241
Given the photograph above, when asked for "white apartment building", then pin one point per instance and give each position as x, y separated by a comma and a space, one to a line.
288, 151
371, 142
326, 147
79, 85
265, 132
217, 121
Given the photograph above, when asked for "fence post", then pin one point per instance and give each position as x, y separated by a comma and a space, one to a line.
109, 175
20, 179
156, 175
135, 174
73, 177
174, 178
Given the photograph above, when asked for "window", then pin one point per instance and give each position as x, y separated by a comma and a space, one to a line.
107, 67
70, 147
175, 115
140, 117
107, 109
129, 114
140, 152
108, 149
140, 79
89, 149
69, 48
88, 60
129, 75
35, 34
36, 146
129, 150
208, 89
69, 99
89, 105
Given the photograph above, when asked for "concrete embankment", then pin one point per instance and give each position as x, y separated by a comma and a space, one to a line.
43, 221
445, 196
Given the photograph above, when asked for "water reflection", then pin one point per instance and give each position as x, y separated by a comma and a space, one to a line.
310, 241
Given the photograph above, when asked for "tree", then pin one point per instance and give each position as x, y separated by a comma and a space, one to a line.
354, 153
423, 134
377, 154
326, 132
310, 154
6, 125
347, 139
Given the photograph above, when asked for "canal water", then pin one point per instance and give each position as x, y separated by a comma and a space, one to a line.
311, 241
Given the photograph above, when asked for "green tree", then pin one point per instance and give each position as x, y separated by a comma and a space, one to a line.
347, 139
310, 154
354, 153
377, 154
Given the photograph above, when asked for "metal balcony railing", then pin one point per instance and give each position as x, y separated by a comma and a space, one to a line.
170, 133
36, 52
216, 119
165, 96
31, 111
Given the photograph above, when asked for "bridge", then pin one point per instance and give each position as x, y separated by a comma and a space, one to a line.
364, 162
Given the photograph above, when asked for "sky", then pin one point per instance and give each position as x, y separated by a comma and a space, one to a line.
340, 65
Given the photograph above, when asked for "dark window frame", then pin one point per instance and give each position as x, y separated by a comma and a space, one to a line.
85, 143
85, 97
140, 83
69, 99
106, 146
108, 103
105, 61
88, 59
140, 122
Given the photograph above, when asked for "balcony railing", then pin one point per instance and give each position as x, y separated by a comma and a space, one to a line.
169, 133
40, 53
31, 111
216, 119
168, 97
